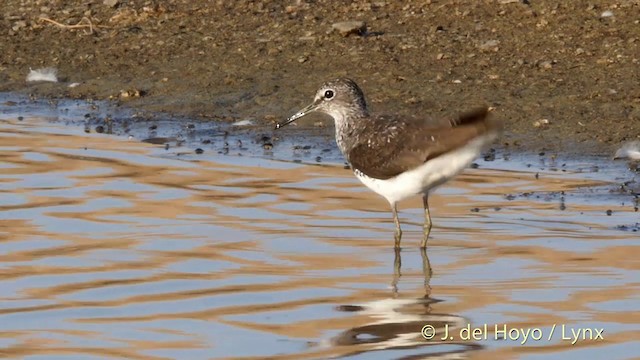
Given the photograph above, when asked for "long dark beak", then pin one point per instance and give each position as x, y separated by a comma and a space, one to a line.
309, 108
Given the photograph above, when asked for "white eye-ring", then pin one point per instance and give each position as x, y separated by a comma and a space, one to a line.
329, 94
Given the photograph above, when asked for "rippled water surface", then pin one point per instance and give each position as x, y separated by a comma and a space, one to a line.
114, 248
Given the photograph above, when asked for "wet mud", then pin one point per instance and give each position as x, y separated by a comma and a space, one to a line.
563, 76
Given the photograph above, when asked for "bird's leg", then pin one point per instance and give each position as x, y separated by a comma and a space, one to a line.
427, 272
427, 220
397, 265
426, 267
398, 233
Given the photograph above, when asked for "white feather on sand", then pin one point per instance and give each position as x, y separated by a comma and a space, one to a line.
630, 150
44, 74
243, 123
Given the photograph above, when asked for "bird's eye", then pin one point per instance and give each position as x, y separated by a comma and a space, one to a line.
328, 94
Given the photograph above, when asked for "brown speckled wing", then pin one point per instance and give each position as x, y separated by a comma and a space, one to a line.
389, 148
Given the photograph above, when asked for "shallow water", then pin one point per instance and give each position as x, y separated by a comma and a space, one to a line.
114, 248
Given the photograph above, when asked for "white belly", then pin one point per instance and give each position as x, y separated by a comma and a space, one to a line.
427, 176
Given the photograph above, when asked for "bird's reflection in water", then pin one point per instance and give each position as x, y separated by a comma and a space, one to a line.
397, 324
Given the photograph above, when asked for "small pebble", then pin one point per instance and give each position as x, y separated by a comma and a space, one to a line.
609, 212
267, 146
491, 45
199, 151
606, 14
541, 123
347, 28
99, 129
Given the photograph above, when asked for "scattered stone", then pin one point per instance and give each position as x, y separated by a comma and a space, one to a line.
19, 25
318, 158
609, 212
606, 14
111, 3
541, 123
131, 93
347, 28
199, 151
99, 129
206, 141
546, 64
491, 45
267, 146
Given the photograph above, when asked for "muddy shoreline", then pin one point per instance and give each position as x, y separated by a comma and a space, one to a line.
571, 64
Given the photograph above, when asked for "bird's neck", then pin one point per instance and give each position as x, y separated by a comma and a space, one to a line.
348, 123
